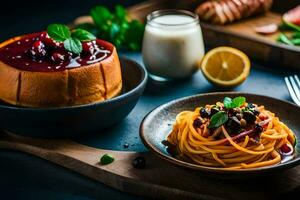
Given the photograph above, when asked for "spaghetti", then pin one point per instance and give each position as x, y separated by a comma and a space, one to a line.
249, 137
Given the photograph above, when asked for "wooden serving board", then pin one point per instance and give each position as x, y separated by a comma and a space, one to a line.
159, 180
239, 34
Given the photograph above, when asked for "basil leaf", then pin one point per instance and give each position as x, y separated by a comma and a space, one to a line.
227, 102
73, 45
106, 159
58, 32
234, 103
83, 35
238, 101
218, 119
134, 35
88, 27
114, 30
120, 12
101, 16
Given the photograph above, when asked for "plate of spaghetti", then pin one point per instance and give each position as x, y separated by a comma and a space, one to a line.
225, 132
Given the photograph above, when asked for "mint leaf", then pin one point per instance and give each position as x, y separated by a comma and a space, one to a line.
218, 119
238, 101
73, 45
227, 102
106, 159
58, 32
83, 35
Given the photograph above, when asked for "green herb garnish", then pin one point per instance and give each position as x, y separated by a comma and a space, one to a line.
296, 35
234, 103
115, 27
218, 119
73, 45
284, 39
58, 32
71, 39
106, 159
296, 41
294, 38
290, 26
83, 35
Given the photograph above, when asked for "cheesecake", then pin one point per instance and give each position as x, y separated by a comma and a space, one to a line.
36, 71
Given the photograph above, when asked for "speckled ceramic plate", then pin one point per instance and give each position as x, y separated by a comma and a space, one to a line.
158, 124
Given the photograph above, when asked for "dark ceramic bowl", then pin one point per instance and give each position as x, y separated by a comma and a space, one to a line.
74, 120
158, 124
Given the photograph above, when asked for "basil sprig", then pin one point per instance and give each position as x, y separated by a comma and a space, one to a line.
218, 119
234, 103
71, 39
106, 159
116, 27
221, 117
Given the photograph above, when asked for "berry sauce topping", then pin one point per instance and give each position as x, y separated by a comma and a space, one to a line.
38, 52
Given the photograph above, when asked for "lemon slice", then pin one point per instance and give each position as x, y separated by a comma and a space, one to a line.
225, 66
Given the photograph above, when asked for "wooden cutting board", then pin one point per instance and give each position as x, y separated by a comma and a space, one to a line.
159, 180
239, 34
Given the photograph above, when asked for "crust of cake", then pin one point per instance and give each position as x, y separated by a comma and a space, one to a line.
75, 86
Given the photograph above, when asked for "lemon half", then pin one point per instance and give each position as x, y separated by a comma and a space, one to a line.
225, 66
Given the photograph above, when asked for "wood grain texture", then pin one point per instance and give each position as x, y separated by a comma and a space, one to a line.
159, 180
239, 34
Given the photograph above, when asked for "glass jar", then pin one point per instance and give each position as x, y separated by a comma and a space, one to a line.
173, 44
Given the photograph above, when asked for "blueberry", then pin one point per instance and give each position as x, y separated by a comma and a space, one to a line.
204, 113
214, 110
250, 105
249, 117
255, 112
258, 128
234, 125
139, 162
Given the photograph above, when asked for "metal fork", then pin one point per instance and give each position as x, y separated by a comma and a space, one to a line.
293, 85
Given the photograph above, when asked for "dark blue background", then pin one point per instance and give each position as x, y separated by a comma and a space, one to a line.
19, 17
26, 177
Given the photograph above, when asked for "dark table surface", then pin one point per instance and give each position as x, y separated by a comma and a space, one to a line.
27, 177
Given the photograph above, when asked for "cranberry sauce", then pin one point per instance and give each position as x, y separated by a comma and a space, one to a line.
37, 52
